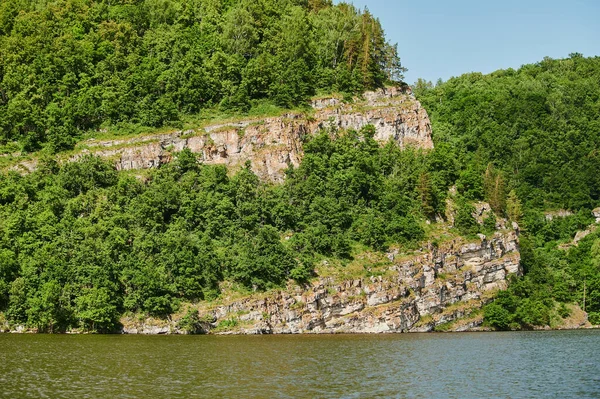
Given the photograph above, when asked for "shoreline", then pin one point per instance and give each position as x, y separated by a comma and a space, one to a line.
231, 333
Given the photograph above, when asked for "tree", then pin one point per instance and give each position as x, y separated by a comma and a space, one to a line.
470, 184
264, 260
513, 207
44, 310
125, 63
292, 80
8, 272
393, 68
186, 161
494, 189
239, 33
425, 193
95, 309
496, 316
464, 220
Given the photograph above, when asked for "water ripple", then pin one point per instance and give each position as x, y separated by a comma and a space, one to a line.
561, 364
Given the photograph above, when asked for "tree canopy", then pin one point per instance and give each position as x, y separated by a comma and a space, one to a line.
68, 66
537, 129
81, 243
528, 142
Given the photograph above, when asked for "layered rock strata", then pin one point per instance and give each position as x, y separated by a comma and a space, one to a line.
273, 144
414, 294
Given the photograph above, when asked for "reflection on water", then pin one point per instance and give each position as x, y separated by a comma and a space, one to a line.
561, 364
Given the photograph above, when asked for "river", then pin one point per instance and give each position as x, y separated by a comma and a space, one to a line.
556, 364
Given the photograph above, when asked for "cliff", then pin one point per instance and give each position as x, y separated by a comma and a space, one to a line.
422, 292
273, 144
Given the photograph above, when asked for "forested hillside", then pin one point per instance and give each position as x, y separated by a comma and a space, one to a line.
81, 244
528, 141
68, 66
539, 126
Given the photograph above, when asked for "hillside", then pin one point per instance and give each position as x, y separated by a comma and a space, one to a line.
440, 287
71, 66
164, 160
82, 243
527, 141
272, 144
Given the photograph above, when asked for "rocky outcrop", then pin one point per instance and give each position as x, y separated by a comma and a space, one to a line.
413, 294
596, 214
273, 144
580, 235
561, 213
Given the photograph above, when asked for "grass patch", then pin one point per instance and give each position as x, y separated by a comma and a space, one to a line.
324, 96
130, 130
466, 307
125, 130
226, 128
476, 315
444, 327
364, 263
424, 320
226, 325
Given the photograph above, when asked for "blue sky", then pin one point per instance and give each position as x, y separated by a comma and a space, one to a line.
441, 39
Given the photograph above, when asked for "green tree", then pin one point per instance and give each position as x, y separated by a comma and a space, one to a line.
494, 189
95, 309
513, 207
464, 220
425, 193
498, 317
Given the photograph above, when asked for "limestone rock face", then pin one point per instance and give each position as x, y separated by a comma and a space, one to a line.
561, 213
416, 294
273, 144
596, 214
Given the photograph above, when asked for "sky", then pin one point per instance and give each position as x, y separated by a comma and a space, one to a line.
441, 39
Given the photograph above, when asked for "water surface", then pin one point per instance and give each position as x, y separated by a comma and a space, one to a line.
559, 364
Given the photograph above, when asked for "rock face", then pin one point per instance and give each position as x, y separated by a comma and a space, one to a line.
596, 214
273, 144
561, 213
415, 294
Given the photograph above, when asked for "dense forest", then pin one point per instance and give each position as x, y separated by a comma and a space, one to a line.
68, 66
532, 135
81, 244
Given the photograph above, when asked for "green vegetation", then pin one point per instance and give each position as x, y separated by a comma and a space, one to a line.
527, 141
71, 66
553, 278
80, 244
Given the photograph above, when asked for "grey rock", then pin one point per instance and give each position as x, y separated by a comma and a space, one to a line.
423, 286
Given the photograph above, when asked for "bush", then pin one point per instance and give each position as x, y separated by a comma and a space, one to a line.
496, 316
464, 220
